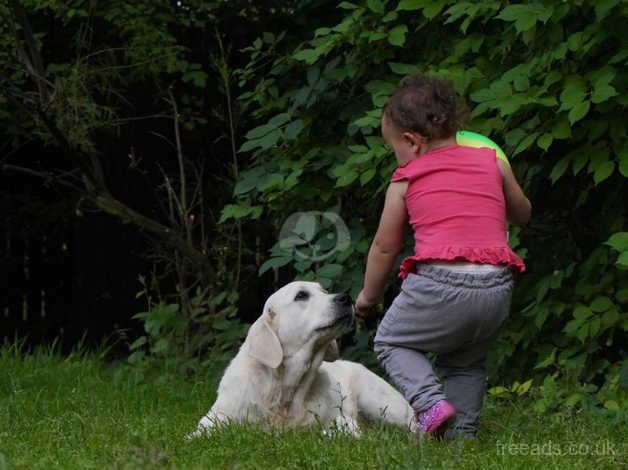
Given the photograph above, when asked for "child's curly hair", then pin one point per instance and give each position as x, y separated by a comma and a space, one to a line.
427, 105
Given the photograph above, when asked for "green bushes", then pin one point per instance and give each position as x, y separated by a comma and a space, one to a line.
545, 79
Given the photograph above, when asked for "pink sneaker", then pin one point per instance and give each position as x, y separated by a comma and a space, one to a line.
435, 416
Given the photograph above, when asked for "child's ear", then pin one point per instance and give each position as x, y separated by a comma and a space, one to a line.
413, 140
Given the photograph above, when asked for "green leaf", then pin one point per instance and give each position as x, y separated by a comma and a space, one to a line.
390, 16
270, 139
271, 181
611, 405
597, 157
579, 159
579, 111
523, 388
602, 93
293, 129
549, 360
259, 131
235, 211
376, 6
572, 399
248, 180
410, 5
512, 104
485, 94
457, 11
574, 41
379, 87
622, 295
574, 93
602, 7
525, 143
305, 226
618, 241
521, 83
609, 318
499, 390
366, 121
514, 136
274, 263
397, 35
583, 332
309, 56
545, 141
432, 8
324, 282
525, 16
582, 312
249, 145
330, 271
161, 345
622, 260
367, 176
601, 304
141, 341
358, 148
501, 88
292, 179
279, 120
594, 326
347, 6
553, 77
542, 289
324, 31
620, 56
403, 69
561, 129
603, 171
559, 169
347, 178
481, 109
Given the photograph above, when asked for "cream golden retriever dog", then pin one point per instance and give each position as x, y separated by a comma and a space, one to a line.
280, 378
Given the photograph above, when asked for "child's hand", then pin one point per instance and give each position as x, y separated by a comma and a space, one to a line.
363, 305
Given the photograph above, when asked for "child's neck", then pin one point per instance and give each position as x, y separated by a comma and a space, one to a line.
426, 147
436, 144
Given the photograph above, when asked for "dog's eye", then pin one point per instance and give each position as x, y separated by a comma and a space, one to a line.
302, 295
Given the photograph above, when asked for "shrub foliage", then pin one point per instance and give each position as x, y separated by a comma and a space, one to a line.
545, 79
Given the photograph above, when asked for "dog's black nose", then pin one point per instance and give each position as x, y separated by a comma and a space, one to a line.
343, 299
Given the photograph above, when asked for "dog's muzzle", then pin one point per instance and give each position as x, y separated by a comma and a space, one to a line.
343, 312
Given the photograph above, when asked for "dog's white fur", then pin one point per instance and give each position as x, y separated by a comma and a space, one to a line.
279, 377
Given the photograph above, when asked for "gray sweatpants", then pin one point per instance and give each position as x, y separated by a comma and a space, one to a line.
455, 315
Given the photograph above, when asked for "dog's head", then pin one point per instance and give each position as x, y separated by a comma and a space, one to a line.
299, 317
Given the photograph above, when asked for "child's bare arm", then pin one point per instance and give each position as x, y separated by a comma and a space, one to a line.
518, 207
386, 245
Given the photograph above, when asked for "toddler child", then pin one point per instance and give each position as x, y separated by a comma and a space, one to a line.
457, 287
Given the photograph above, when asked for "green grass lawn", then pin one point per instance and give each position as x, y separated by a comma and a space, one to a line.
78, 412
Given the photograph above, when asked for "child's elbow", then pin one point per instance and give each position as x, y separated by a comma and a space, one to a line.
520, 216
387, 247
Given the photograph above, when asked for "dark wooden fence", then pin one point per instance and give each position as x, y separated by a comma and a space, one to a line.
71, 281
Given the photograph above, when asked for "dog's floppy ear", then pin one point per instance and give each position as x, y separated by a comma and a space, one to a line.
331, 352
264, 344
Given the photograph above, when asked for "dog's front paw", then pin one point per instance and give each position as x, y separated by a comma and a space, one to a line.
192, 435
343, 425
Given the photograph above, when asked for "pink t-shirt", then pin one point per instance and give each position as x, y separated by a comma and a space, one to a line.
456, 207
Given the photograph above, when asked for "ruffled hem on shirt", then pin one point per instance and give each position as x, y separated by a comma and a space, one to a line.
486, 255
